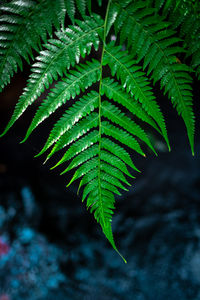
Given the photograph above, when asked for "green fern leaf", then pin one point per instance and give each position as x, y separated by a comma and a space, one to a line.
69, 87
81, 4
116, 116
109, 170
19, 22
186, 18
84, 169
122, 136
134, 81
54, 61
84, 156
29, 21
151, 42
119, 152
70, 7
79, 146
105, 117
114, 91
69, 136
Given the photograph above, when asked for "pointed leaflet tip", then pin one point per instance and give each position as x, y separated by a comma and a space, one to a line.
4, 132
37, 154
70, 180
121, 256
107, 230
78, 189
41, 152
46, 161
192, 145
55, 167
25, 139
59, 163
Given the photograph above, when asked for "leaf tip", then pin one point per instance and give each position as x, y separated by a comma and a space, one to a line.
53, 166
3, 133
46, 161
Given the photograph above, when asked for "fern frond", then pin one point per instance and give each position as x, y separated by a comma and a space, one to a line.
30, 21
82, 156
120, 152
121, 135
20, 21
81, 5
114, 91
69, 87
134, 81
82, 144
100, 125
55, 60
69, 136
149, 38
109, 170
84, 169
194, 51
185, 17
113, 113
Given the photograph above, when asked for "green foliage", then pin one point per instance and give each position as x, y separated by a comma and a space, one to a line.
108, 85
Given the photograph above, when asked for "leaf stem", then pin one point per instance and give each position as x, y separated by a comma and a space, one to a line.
100, 87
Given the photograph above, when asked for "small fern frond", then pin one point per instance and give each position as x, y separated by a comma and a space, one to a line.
81, 5
24, 21
150, 40
186, 19
56, 59
194, 51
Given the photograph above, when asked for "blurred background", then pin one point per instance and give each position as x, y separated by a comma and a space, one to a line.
50, 245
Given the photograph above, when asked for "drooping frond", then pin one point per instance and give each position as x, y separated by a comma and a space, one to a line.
151, 41
60, 55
